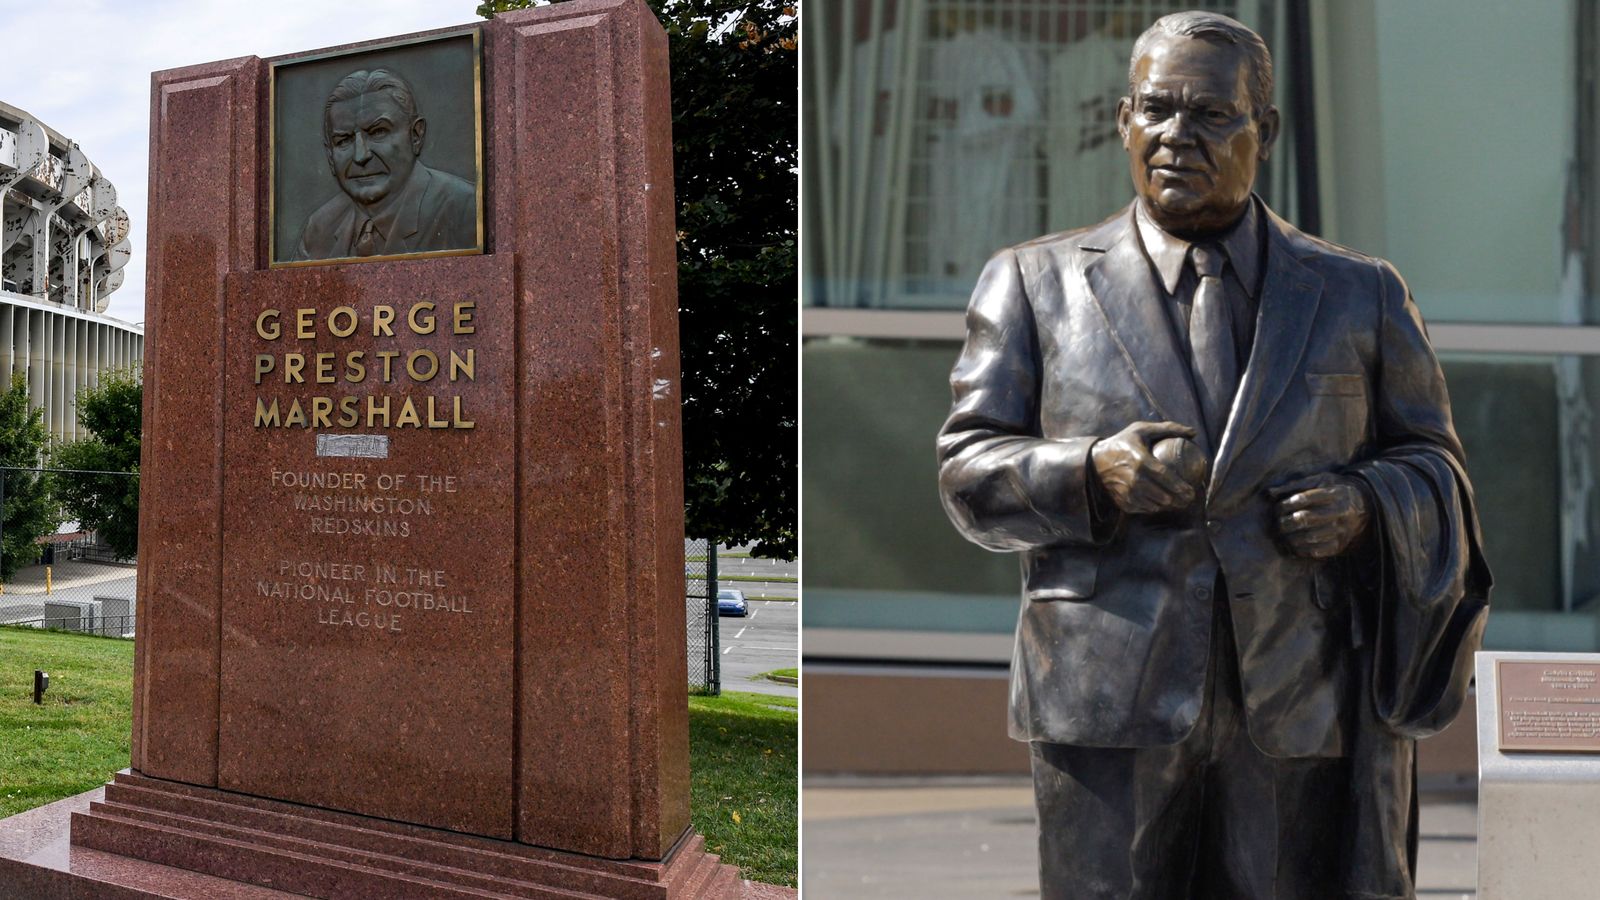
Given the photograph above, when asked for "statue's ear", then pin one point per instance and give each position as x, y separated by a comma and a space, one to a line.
419, 130
1124, 114
1268, 124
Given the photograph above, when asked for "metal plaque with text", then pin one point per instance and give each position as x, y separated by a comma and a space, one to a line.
1549, 705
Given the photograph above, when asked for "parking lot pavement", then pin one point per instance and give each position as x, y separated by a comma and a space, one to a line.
768, 638
766, 577
776, 589
974, 838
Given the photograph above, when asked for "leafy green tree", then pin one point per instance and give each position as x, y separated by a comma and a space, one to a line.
28, 513
105, 504
734, 136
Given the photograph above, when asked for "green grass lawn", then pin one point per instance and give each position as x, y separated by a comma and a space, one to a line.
79, 736
744, 753
745, 781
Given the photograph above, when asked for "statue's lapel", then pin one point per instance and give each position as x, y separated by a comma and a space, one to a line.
1134, 306
1290, 295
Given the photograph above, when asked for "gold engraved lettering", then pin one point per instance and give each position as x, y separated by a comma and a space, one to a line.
293, 364
354, 369
325, 368
432, 369
408, 415
388, 361
426, 324
434, 421
382, 321
320, 408
463, 318
382, 411
333, 318
305, 328
267, 325
266, 415
266, 362
375, 408
464, 366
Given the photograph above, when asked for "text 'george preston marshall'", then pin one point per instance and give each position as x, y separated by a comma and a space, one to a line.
419, 366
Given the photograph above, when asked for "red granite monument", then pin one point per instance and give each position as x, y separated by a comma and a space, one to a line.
411, 620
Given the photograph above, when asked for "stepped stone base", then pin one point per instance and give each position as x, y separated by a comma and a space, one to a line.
142, 837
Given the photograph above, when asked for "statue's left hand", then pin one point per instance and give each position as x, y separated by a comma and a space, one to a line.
1320, 516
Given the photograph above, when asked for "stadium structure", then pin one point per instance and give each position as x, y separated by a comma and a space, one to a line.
62, 255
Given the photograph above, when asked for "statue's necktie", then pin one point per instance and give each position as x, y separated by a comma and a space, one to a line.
1211, 342
367, 241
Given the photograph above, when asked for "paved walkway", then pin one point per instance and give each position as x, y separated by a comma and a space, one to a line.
974, 838
64, 576
22, 599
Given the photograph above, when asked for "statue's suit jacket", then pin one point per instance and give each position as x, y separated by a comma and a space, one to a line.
1068, 341
438, 211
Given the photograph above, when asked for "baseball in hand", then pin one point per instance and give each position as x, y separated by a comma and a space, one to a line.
1184, 458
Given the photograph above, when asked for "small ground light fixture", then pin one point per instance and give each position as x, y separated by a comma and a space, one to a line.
41, 682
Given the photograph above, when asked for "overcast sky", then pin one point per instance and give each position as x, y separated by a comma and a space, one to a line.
83, 68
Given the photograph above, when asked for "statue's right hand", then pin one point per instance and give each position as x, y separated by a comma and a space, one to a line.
1133, 478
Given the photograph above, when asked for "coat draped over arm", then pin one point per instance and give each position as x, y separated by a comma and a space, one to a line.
1431, 598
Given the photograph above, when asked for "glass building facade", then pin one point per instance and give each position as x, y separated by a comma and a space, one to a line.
1459, 139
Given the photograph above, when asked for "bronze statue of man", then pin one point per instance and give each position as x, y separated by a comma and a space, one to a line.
1253, 570
389, 202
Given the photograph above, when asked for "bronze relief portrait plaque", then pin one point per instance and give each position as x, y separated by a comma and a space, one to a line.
378, 153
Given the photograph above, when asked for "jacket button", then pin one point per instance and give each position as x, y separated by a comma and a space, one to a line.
1202, 593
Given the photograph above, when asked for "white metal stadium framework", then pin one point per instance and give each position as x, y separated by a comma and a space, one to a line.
62, 255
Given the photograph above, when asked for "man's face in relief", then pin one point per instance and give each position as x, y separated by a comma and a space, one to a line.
372, 145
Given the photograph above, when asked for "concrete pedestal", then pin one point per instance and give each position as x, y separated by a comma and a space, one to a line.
1537, 811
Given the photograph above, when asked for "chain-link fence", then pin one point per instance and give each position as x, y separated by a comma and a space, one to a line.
61, 575
700, 616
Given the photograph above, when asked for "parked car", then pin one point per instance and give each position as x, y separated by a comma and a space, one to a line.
732, 603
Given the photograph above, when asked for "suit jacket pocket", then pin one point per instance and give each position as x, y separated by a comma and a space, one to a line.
1331, 384
1060, 573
